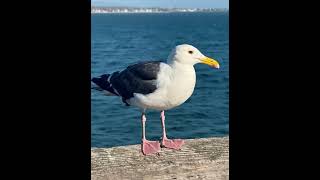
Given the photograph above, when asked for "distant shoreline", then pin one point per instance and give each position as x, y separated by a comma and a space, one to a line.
156, 12
135, 10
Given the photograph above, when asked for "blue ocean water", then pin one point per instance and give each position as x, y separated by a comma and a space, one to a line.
119, 40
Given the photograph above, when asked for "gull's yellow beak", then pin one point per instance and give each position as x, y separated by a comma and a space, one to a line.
210, 62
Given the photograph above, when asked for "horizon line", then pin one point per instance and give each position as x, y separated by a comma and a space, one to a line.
103, 6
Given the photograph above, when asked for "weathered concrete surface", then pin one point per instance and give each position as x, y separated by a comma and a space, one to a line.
206, 158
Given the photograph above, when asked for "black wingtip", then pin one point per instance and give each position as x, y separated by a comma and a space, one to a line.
95, 80
102, 81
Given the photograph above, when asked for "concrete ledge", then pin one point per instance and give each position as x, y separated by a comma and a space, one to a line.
206, 158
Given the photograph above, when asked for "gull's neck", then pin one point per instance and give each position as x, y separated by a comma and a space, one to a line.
177, 66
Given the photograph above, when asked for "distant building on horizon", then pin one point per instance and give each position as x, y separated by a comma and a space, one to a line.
96, 9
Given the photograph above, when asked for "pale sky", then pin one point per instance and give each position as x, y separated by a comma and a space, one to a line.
164, 3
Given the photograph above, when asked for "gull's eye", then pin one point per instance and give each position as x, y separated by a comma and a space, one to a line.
190, 52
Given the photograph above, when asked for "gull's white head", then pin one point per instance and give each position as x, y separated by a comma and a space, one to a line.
187, 54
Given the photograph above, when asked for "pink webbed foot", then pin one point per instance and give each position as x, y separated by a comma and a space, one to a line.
172, 144
150, 147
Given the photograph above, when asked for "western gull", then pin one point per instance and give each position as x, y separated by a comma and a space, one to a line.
156, 85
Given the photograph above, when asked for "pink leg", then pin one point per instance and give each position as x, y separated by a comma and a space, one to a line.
168, 143
148, 147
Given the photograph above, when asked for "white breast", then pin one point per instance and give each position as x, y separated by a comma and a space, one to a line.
175, 85
182, 85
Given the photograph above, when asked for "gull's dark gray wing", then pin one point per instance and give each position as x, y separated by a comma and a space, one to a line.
137, 78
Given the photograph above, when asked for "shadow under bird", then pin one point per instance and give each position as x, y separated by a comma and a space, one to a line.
156, 85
